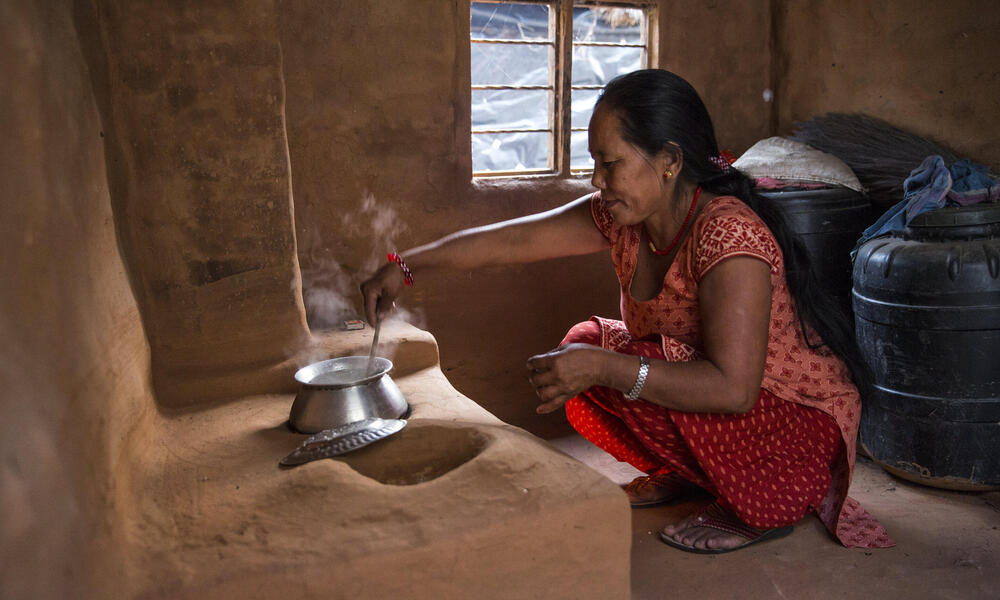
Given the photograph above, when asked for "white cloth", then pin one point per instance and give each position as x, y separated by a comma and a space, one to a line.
781, 158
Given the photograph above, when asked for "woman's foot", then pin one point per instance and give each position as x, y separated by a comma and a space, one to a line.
656, 489
716, 530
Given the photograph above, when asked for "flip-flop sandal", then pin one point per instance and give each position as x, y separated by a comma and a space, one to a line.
674, 486
716, 517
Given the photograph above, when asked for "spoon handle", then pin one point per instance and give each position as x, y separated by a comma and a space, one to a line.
371, 353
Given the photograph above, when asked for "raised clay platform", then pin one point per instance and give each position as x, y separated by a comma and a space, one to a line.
457, 505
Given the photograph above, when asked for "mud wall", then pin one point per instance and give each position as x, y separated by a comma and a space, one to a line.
724, 49
929, 67
192, 100
74, 363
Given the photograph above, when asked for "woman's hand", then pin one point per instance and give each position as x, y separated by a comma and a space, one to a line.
563, 373
381, 290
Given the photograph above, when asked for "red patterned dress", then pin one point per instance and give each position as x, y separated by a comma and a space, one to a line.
792, 452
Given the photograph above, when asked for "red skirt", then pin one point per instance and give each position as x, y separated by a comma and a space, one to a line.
770, 465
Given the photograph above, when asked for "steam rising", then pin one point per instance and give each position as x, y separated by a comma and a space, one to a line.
331, 289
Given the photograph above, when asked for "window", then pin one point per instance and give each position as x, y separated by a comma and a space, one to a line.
537, 68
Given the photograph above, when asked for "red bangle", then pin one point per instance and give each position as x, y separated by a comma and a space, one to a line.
407, 274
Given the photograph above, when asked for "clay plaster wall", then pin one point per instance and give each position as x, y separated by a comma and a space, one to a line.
724, 48
930, 67
378, 109
192, 100
74, 363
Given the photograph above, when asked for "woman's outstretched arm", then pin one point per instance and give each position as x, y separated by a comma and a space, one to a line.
568, 230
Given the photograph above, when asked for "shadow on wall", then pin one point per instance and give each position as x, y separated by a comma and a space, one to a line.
199, 180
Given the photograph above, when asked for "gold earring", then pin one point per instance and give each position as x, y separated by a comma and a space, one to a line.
668, 174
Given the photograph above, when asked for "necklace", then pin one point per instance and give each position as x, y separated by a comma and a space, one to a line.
677, 238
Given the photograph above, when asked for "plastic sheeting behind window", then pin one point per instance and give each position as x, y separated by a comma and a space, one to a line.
528, 62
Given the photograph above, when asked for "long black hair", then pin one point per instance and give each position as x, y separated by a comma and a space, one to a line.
657, 107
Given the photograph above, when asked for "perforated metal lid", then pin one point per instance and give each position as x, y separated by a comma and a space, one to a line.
339, 440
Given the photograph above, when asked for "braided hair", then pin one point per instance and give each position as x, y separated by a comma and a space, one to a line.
656, 108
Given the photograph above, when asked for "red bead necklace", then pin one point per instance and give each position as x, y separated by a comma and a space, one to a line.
677, 238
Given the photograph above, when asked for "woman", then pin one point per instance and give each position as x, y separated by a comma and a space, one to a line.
730, 371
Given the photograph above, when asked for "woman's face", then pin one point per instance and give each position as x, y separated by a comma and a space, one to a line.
631, 182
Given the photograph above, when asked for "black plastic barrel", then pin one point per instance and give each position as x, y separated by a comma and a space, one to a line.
927, 313
829, 222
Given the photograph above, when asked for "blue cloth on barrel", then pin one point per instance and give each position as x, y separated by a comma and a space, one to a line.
972, 184
926, 188
931, 186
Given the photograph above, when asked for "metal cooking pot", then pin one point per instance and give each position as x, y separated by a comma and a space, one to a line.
341, 390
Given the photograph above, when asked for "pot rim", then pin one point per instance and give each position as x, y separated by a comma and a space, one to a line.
311, 371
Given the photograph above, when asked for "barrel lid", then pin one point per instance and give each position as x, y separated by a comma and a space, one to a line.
951, 216
809, 193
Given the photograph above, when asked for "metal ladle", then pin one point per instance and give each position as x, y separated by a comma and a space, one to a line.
371, 353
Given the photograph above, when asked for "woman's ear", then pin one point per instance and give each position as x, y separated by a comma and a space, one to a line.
670, 159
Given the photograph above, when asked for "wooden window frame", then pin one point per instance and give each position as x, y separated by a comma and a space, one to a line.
561, 78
